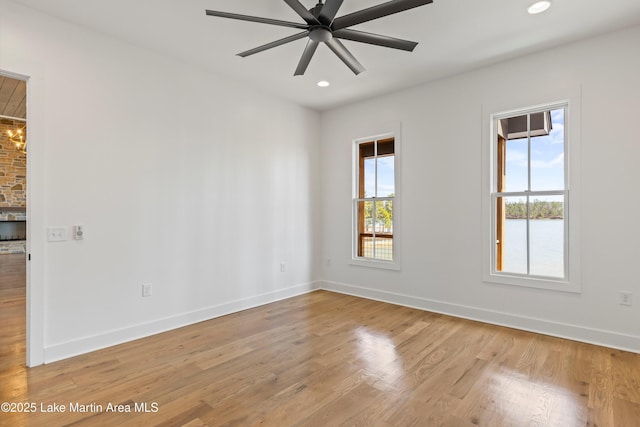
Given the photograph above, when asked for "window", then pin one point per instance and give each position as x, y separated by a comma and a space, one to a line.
530, 195
374, 201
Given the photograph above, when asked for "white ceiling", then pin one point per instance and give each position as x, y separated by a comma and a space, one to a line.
453, 35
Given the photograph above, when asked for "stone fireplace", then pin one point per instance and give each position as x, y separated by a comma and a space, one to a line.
13, 230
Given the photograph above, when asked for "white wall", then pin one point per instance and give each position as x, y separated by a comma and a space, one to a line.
442, 164
182, 179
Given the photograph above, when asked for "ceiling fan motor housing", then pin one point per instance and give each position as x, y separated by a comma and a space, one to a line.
320, 33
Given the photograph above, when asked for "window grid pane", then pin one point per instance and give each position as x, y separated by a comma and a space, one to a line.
375, 225
546, 236
377, 247
514, 243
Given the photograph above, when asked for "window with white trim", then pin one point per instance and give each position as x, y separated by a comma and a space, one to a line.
374, 200
530, 194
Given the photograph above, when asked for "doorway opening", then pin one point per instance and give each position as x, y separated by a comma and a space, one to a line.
13, 221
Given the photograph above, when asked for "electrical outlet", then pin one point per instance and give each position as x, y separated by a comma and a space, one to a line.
625, 298
283, 267
147, 289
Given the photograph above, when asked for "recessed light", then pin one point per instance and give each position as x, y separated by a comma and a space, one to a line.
539, 7
323, 83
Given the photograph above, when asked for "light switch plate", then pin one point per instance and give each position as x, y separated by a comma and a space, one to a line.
56, 234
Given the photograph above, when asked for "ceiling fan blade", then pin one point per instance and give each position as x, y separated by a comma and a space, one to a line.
329, 11
257, 19
377, 39
309, 50
303, 12
375, 12
341, 51
274, 44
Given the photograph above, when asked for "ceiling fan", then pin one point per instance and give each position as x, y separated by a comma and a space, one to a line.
322, 26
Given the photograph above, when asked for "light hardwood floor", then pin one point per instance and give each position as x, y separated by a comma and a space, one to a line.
325, 359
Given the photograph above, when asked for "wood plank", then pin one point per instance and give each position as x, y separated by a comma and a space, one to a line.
626, 376
16, 104
601, 386
625, 413
13, 97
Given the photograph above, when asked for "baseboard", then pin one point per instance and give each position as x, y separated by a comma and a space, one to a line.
87, 344
561, 330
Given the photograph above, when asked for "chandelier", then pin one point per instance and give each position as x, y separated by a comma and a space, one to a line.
19, 139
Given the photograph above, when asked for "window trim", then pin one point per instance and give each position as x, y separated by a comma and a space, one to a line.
397, 239
571, 281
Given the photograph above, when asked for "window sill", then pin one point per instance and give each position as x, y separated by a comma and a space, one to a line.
550, 284
385, 265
